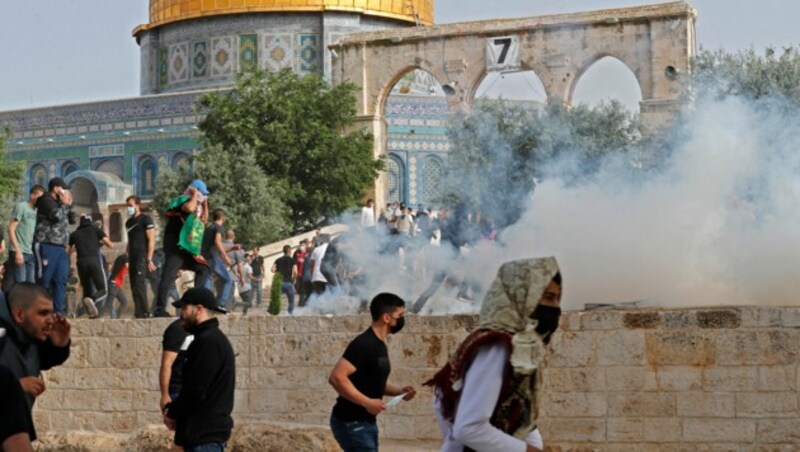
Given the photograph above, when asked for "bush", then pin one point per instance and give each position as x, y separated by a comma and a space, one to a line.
275, 295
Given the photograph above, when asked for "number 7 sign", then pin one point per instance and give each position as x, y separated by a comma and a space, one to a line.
502, 54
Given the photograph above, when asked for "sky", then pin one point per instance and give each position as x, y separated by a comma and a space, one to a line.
70, 51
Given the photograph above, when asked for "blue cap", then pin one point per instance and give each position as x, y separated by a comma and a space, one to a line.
200, 185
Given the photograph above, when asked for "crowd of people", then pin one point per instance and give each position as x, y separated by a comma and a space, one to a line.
487, 396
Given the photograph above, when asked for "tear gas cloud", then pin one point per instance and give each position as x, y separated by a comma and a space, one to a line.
719, 224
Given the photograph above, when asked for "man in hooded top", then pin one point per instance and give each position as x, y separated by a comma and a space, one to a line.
488, 394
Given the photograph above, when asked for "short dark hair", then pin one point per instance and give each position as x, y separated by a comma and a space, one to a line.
557, 278
38, 189
287, 248
218, 214
23, 294
135, 199
385, 303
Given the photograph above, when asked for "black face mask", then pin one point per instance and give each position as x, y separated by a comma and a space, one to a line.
548, 317
401, 322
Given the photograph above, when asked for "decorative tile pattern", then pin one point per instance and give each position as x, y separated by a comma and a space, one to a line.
307, 53
179, 63
163, 67
200, 59
222, 56
248, 52
277, 52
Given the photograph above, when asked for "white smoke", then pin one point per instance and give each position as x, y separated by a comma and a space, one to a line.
719, 225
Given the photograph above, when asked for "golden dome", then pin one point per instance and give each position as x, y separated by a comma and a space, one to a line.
167, 11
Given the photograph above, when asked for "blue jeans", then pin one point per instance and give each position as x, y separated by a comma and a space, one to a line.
218, 268
355, 436
27, 271
208, 447
258, 287
54, 271
288, 289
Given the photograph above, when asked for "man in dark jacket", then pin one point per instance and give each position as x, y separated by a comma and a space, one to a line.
201, 414
35, 339
85, 242
53, 214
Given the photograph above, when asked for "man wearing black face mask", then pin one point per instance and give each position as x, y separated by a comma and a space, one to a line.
488, 394
360, 378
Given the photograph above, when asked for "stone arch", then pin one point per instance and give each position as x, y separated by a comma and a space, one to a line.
85, 196
397, 77
591, 62
68, 168
180, 159
113, 166
115, 227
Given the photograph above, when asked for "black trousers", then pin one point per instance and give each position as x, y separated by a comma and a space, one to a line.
319, 287
137, 268
172, 263
93, 278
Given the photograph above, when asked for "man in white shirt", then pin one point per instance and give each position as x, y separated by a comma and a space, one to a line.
318, 280
368, 215
479, 405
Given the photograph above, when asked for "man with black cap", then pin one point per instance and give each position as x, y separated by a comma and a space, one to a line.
183, 236
201, 414
51, 237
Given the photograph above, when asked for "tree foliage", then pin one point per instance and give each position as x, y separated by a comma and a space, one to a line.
11, 173
296, 128
499, 151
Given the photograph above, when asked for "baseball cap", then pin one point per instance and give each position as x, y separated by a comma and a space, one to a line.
200, 296
200, 185
57, 182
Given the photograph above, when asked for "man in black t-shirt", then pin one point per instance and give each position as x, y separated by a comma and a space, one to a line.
258, 274
141, 245
216, 255
86, 241
175, 343
360, 378
285, 266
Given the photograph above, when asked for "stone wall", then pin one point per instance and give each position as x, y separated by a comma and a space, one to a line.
710, 379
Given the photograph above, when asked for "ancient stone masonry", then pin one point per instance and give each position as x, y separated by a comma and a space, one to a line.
661, 380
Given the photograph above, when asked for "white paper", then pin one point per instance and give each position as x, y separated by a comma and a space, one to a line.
396, 401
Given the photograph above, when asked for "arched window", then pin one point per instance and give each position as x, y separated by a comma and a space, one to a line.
397, 179
181, 160
111, 166
432, 173
38, 175
148, 171
68, 167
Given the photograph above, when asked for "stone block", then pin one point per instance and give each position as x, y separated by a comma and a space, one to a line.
575, 405
89, 352
51, 399
239, 325
719, 318
115, 328
790, 317
421, 350
268, 401
779, 431
706, 404
146, 328
620, 348
679, 378
624, 447
146, 400
574, 379
630, 379
679, 319
129, 353
662, 430
117, 401
76, 400
641, 320
758, 317
266, 325
397, 426
87, 327
624, 429
570, 321
680, 348
578, 430
573, 350
757, 347
766, 404
123, 422
719, 430
650, 404
730, 378
600, 320
777, 378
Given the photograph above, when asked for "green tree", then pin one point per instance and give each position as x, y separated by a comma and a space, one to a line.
298, 129
274, 307
498, 151
11, 172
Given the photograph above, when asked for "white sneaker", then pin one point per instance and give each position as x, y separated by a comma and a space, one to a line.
88, 303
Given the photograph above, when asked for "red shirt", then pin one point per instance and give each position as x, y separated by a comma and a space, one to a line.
300, 258
121, 275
